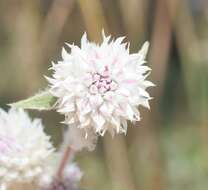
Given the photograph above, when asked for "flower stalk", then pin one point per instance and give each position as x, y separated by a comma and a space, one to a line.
69, 152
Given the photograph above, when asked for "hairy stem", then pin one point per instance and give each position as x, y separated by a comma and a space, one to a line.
67, 154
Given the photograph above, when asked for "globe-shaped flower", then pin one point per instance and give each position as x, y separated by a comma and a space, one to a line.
100, 87
24, 148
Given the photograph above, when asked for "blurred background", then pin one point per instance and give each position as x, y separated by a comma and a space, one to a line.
168, 150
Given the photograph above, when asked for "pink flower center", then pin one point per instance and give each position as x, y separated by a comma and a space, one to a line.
8, 145
102, 83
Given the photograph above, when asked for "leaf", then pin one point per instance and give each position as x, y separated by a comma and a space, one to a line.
41, 101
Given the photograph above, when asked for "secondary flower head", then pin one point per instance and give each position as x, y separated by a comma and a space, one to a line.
70, 179
24, 148
100, 87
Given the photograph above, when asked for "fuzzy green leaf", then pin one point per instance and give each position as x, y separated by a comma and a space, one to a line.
41, 101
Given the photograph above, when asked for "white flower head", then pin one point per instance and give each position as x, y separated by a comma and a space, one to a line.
24, 148
100, 87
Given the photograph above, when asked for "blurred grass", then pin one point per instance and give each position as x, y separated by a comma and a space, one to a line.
169, 148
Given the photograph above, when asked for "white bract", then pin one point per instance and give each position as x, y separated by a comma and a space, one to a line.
100, 87
24, 148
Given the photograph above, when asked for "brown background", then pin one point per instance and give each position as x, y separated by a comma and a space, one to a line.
169, 148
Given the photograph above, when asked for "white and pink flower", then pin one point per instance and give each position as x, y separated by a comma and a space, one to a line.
100, 87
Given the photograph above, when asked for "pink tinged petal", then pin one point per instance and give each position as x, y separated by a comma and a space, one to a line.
3, 148
97, 55
8, 144
103, 83
96, 77
102, 90
120, 111
109, 96
96, 100
93, 89
113, 85
106, 72
107, 86
108, 80
130, 81
115, 60
98, 84
118, 72
106, 110
88, 79
124, 92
